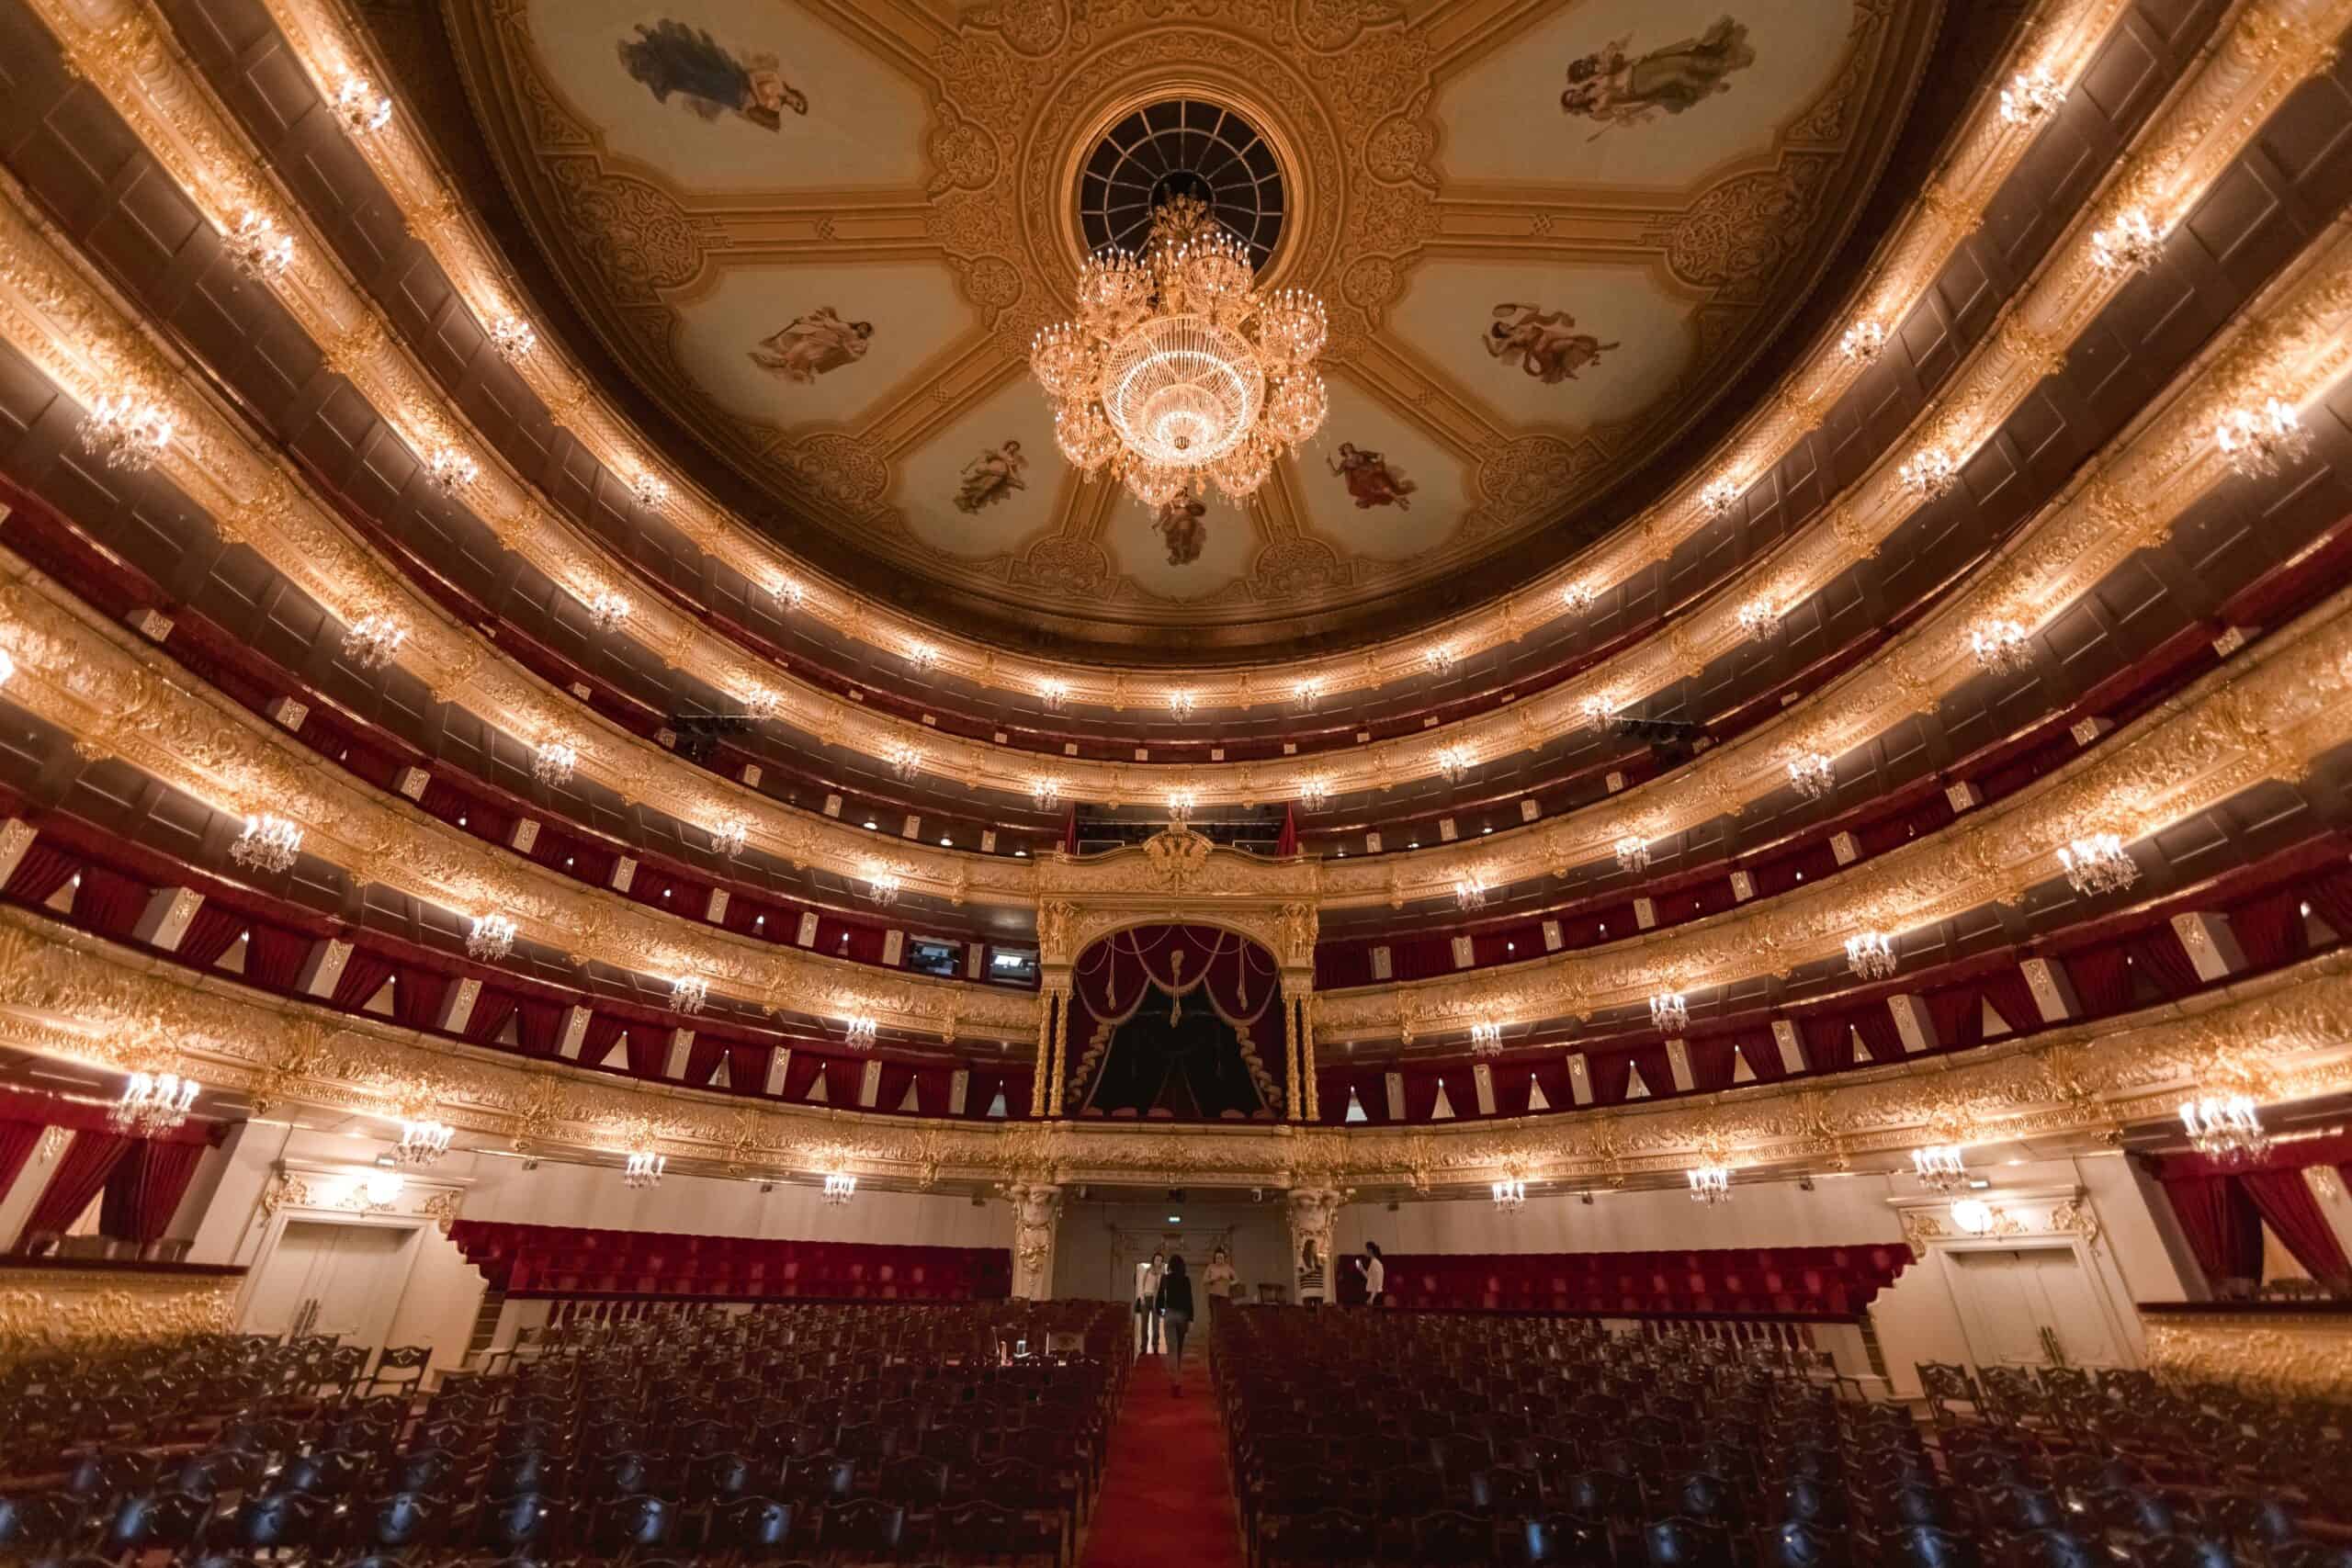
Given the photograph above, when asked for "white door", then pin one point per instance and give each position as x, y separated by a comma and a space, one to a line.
2031, 1306
325, 1277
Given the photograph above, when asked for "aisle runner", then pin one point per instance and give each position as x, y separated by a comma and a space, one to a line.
1165, 1502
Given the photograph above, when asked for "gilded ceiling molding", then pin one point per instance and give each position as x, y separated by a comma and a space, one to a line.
2281, 1038
95, 681
111, 43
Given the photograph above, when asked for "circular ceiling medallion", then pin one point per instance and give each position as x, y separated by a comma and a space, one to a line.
1182, 147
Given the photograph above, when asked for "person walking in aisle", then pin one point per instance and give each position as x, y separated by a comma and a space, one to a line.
1175, 1305
1376, 1275
1147, 1298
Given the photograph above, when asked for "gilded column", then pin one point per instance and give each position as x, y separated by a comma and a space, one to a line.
1314, 1100
1313, 1214
1295, 1104
1036, 1220
1061, 1052
1048, 1096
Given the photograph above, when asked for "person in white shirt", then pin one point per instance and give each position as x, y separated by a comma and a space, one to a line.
1376, 1275
1147, 1300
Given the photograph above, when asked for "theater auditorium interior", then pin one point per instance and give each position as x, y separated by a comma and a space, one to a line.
1378, 782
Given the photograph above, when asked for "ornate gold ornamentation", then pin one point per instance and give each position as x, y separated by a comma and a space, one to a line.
44, 1311
2293, 1354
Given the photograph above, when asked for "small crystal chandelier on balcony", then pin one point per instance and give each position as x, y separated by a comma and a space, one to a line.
373, 641
2099, 864
1940, 1167
608, 609
268, 844
1181, 803
729, 835
552, 763
860, 1030
1047, 791
1314, 791
1486, 1038
513, 338
1864, 343
126, 430
689, 994
1813, 774
2000, 647
491, 939
2131, 245
1870, 956
882, 887
1470, 891
256, 249
643, 1169
422, 1140
152, 1104
1710, 1184
1511, 1195
1178, 372
1579, 598
1633, 855
2030, 96
1180, 702
1718, 498
649, 489
449, 468
1670, 1013
1306, 694
2225, 1127
1758, 620
1929, 474
905, 759
840, 1188
1052, 695
361, 108
1454, 762
2260, 442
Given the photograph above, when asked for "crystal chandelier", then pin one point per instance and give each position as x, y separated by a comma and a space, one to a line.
1601, 712
1940, 1167
153, 1103
1670, 1012
921, 655
1511, 1195
450, 469
859, 1030
649, 488
1306, 694
1864, 343
643, 1169
1440, 657
763, 702
1314, 790
1181, 803
1710, 1184
1633, 855
2098, 864
513, 338
688, 993
729, 837
362, 110
1046, 791
2030, 96
905, 759
126, 430
1758, 620
1486, 1038
1178, 371
1813, 774
1579, 598
373, 641
1470, 892
2258, 442
787, 593
268, 844
1180, 701
1718, 498
491, 939
1870, 956
256, 249
421, 1141
2132, 243
840, 1187
1454, 763
552, 763
1053, 693
2225, 1128
882, 887
608, 609
1929, 474
2000, 647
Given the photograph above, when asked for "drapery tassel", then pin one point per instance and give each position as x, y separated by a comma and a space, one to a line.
1175, 983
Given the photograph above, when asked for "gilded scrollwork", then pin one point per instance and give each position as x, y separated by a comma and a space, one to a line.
44, 1311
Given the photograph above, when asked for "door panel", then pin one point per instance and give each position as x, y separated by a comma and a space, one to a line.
2018, 1304
326, 1277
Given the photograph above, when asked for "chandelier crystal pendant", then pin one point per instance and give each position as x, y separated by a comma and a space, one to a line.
608, 609
1633, 855
882, 887
1306, 694
450, 469
1454, 763
152, 1104
729, 836
906, 760
1470, 892
1864, 343
689, 994
859, 1030
840, 1187
552, 763
1813, 774
1181, 805
1940, 1167
1579, 598
1758, 620
373, 641
1486, 1038
126, 430
513, 338
268, 844
1314, 791
1046, 791
2030, 96
1929, 474
2000, 647
256, 249
1670, 1013
1511, 1195
421, 1141
361, 108
2225, 1127
2099, 864
643, 1169
1870, 956
1178, 372
1710, 1184
491, 939
2129, 245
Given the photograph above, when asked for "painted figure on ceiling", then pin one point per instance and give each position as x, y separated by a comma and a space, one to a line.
815, 342
708, 79
991, 477
1371, 479
1616, 88
1544, 343
1182, 530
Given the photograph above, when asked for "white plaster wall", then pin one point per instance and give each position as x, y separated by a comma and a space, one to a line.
1083, 1264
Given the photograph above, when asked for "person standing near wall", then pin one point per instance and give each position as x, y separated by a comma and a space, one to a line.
1146, 1300
1376, 1275
1175, 1304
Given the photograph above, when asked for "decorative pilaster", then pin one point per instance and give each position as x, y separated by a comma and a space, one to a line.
1313, 1214
1306, 1069
1036, 1220
1293, 1103
1058, 1007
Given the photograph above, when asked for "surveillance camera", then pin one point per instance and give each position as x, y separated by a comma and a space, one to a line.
1585, 1198
767, 1186
1804, 1183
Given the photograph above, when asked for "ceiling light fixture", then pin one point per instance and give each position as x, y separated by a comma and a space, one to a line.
492, 938
840, 1188
689, 994
2000, 647
643, 1169
1178, 372
1929, 474
1486, 1038
1454, 762
256, 249
860, 1030
1510, 1194
1046, 791
1870, 956
1440, 657
1940, 1167
1314, 791
729, 835
1813, 774
1470, 891
905, 759
1864, 343
1670, 1013
1579, 598
372, 641
421, 1141
268, 844
2030, 96
2099, 864
128, 430
1053, 693
2129, 245
1710, 1184
1758, 620
921, 655
152, 1104
2259, 442
361, 108
513, 338
450, 469
608, 609
2226, 1127
1718, 498
649, 488
552, 763
1179, 805
1180, 701
1633, 855
882, 887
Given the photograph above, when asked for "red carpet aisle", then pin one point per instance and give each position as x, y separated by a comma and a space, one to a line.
1165, 1502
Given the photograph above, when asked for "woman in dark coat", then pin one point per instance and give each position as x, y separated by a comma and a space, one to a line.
1175, 1303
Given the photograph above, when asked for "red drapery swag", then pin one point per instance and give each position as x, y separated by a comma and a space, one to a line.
81, 1170
2223, 1228
144, 1190
2248, 1194
1151, 965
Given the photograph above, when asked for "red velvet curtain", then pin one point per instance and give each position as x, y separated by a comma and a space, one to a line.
2331, 899
2293, 1214
274, 956
597, 1042
109, 902
2013, 1000
2223, 1228
42, 870
145, 1189
1827, 1041
1132, 969
82, 1171
1880, 1036
1957, 1013
2157, 954
18, 1140
213, 932
418, 996
649, 1049
2270, 929
540, 1026
363, 976
747, 1066
2102, 980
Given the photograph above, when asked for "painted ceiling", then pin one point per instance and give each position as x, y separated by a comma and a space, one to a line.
822, 232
